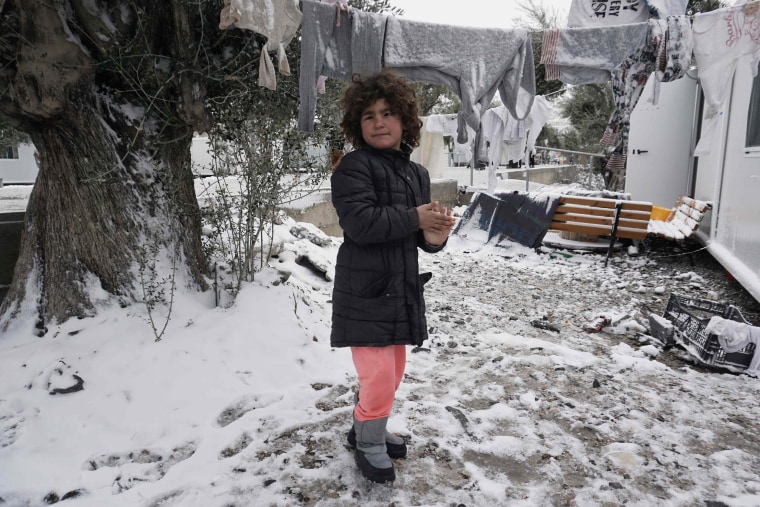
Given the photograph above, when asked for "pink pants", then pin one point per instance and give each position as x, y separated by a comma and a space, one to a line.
380, 371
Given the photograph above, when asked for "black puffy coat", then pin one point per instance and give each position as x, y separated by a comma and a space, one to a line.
378, 291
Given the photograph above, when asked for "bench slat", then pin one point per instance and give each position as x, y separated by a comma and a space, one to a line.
584, 210
633, 224
605, 203
595, 230
599, 230
569, 220
642, 216
584, 219
605, 212
700, 206
687, 212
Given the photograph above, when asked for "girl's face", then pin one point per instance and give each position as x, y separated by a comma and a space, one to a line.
381, 129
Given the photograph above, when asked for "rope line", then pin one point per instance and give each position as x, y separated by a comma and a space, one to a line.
677, 255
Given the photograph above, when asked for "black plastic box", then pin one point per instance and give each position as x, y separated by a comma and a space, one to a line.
690, 317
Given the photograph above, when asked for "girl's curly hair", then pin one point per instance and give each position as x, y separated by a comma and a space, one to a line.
396, 91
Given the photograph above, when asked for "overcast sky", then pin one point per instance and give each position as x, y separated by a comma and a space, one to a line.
480, 13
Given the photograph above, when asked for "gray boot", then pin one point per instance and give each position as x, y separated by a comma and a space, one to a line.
395, 446
371, 452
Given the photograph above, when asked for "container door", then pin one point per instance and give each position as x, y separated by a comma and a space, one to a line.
661, 143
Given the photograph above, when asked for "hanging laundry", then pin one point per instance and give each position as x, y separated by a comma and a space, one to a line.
589, 55
277, 20
588, 13
513, 140
628, 81
448, 125
721, 38
343, 5
539, 115
335, 43
674, 57
493, 124
630, 78
480, 63
660, 9
626, 55
431, 151
514, 130
506, 138
520, 135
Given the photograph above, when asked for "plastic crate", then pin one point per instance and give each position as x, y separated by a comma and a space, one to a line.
690, 317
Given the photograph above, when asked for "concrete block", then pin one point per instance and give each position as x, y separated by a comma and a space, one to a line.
322, 213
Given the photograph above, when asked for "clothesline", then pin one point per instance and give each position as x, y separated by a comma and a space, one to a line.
690, 17
279, 22
564, 88
748, 5
339, 43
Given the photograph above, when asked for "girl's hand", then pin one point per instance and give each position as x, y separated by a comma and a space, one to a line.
436, 224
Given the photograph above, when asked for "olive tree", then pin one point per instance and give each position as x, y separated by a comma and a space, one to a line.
110, 94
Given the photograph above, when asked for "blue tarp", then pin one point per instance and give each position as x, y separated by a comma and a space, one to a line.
514, 216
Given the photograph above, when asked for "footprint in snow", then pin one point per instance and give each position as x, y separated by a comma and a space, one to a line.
139, 466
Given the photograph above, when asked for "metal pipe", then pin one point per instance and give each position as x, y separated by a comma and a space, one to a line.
601, 155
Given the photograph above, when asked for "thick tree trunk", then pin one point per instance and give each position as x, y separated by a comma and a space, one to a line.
114, 173
90, 213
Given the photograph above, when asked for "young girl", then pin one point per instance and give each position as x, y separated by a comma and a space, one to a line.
383, 203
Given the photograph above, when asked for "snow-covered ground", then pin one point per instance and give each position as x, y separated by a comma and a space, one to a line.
510, 402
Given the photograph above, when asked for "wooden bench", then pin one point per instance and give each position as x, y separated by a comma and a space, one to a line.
682, 222
679, 226
602, 217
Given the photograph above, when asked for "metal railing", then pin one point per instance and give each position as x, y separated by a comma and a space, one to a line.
572, 152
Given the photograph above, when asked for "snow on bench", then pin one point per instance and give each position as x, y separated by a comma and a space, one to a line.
682, 221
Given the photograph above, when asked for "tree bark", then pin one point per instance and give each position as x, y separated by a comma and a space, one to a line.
114, 159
